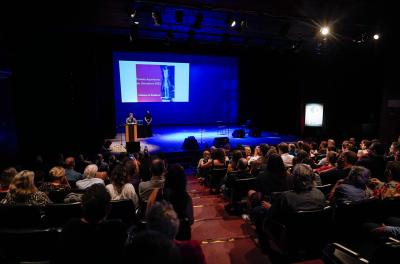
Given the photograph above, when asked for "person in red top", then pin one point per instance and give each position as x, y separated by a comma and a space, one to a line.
331, 158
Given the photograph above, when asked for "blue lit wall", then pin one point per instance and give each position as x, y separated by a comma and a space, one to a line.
213, 92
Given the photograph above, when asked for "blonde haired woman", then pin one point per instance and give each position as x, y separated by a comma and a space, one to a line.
23, 191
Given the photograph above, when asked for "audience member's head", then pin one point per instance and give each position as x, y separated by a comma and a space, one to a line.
283, 148
331, 157
377, 149
95, 203
70, 162
219, 155
22, 185
119, 177
275, 164
206, 154
7, 176
358, 177
161, 217
247, 151
175, 179
90, 171
150, 246
346, 159
302, 178
264, 149
365, 144
242, 164
57, 174
394, 148
392, 171
157, 167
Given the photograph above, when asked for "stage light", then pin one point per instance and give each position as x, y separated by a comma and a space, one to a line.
179, 16
156, 15
233, 23
198, 20
376, 36
324, 31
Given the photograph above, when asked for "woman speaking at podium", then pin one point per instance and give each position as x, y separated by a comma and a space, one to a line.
130, 120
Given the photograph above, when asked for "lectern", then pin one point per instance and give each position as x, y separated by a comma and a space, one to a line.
131, 133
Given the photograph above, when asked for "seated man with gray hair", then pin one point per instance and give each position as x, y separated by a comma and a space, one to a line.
90, 178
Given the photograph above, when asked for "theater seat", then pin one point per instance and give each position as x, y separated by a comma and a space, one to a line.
21, 216
57, 215
123, 210
302, 236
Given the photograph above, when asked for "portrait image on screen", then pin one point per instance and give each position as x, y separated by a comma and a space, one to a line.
143, 82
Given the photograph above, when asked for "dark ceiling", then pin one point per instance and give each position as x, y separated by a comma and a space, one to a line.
277, 23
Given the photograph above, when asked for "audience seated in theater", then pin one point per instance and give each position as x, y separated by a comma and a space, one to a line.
331, 158
175, 193
70, 172
152, 247
375, 161
353, 188
132, 170
364, 146
332, 145
90, 178
81, 163
202, 173
23, 191
304, 196
218, 160
157, 180
101, 164
256, 156
242, 172
292, 149
236, 156
57, 181
304, 157
344, 163
6, 177
286, 157
120, 188
390, 189
394, 148
92, 239
257, 164
162, 218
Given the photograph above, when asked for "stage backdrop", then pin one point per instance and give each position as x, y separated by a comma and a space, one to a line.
177, 89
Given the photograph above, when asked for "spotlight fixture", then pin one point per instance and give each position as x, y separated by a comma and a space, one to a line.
198, 20
179, 16
324, 30
156, 15
376, 36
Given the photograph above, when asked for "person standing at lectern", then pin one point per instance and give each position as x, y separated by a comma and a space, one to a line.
130, 120
148, 119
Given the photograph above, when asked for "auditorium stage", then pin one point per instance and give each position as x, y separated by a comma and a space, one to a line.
170, 138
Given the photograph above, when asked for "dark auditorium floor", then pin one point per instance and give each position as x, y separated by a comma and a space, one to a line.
224, 238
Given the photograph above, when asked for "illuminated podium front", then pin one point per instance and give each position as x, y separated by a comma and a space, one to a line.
131, 133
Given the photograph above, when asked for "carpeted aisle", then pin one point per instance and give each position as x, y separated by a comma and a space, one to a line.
224, 238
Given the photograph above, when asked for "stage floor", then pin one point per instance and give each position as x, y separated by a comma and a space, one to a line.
170, 139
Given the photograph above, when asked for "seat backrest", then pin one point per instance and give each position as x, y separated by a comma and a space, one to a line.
57, 215
325, 189
390, 208
28, 245
17, 216
57, 196
336, 253
216, 176
241, 187
123, 210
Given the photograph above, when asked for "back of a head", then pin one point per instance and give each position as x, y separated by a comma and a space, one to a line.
176, 178
275, 164
95, 203
377, 149
393, 170
302, 177
242, 164
283, 148
119, 177
157, 167
264, 149
150, 246
69, 162
90, 171
57, 173
219, 154
349, 157
7, 175
358, 177
331, 157
161, 217
22, 184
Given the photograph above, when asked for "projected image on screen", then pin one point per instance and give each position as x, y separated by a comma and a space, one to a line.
143, 82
